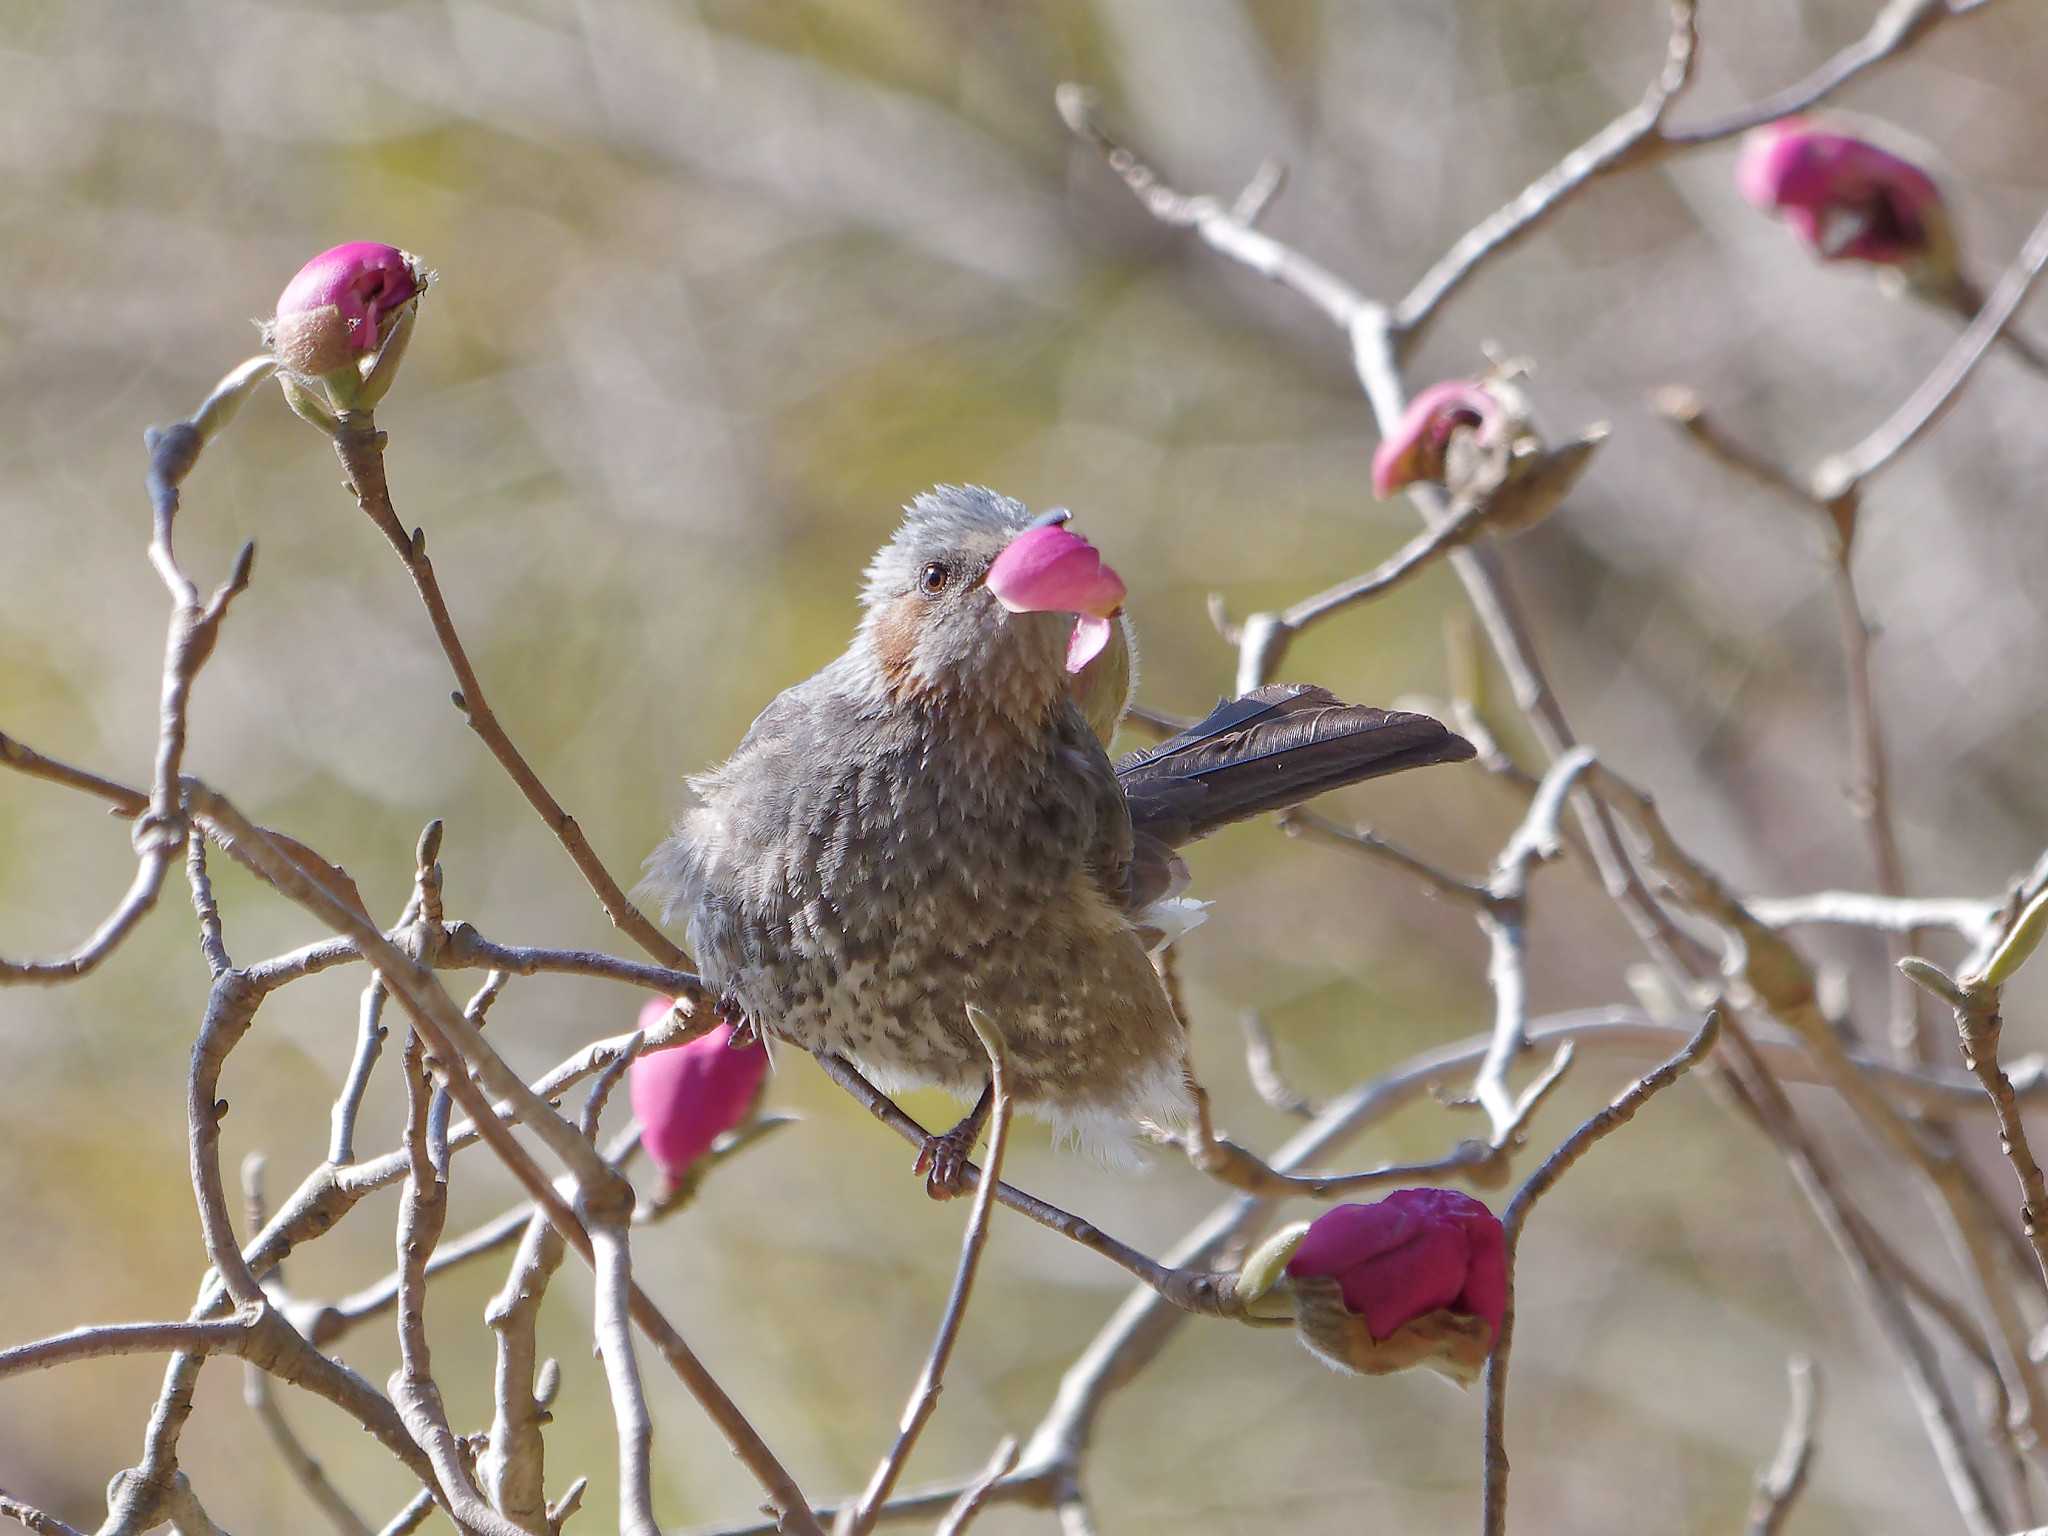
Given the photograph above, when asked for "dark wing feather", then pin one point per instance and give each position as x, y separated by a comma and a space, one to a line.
1274, 748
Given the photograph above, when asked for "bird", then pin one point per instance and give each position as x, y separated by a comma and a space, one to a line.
933, 820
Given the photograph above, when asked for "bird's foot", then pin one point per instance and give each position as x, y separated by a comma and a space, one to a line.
745, 1031
942, 1160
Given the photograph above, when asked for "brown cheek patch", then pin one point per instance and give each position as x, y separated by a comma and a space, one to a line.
896, 644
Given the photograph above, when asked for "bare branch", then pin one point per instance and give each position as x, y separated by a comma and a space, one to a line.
1975, 1000
261, 1399
1886, 914
1766, 1101
1842, 474
1201, 1293
924, 1397
417, 1395
1504, 920
160, 831
1630, 140
1262, 1064
1494, 1518
360, 447
412, 1517
453, 1039
121, 800
28, 1515
1781, 1483
1301, 822
211, 943
462, 945
1221, 226
975, 1495
1262, 639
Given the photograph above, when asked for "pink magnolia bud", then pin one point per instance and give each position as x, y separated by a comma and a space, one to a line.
342, 305
686, 1097
1419, 1278
1415, 450
1846, 198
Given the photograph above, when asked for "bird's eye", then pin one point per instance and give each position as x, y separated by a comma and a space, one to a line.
932, 579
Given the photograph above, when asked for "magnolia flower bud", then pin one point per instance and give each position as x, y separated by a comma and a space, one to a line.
1419, 1278
1845, 197
1415, 450
345, 318
1474, 438
686, 1097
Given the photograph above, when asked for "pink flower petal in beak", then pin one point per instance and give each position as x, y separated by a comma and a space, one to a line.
1049, 570
1089, 637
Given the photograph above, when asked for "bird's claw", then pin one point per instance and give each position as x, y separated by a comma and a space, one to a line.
745, 1031
942, 1160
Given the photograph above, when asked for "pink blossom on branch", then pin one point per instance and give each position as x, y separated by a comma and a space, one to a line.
686, 1097
1846, 198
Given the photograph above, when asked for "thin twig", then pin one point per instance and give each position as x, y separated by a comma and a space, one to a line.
454, 1040
1841, 474
975, 1495
1975, 1001
28, 1515
412, 1517
1765, 1099
1640, 137
1782, 1482
160, 831
360, 447
1262, 639
1884, 914
261, 1398
1495, 1514
421, 1213
1201, 1293
1504, 920
1262, 1065
1302, 822
924, 1397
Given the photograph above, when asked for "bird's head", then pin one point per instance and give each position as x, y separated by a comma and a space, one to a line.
977, 596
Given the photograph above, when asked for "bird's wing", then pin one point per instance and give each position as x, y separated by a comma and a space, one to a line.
730, 834
1275, 747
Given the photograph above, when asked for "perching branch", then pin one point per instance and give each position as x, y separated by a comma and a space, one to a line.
924, 1397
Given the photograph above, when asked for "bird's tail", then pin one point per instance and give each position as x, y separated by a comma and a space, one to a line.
1274, 748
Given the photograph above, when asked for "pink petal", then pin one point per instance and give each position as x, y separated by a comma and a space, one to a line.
1394, 1288
1049, 570
1409, 1254
364, 281
1350, 1234
1089, 637
688, 1096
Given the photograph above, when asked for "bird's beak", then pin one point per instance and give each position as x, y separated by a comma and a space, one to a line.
1046, 569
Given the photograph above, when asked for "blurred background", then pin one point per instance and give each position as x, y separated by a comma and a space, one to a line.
722, 285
